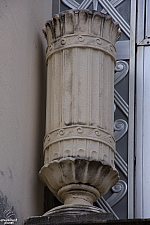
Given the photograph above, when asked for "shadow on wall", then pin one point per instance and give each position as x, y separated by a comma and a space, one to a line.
41, 112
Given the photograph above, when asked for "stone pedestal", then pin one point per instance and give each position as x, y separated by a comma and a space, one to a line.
78, 220
64, 216
79, 147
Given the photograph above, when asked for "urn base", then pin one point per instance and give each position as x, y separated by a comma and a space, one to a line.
76, 194
72, 214
78, 180
72, 209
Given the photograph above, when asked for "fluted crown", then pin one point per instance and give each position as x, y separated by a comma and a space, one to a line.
73, 22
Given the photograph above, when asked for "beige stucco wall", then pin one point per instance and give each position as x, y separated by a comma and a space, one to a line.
22, 103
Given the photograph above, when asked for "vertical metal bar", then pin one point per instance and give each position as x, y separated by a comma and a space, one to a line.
139, 133
146, 132
147, 30
139, 110
140, 20
142, 113
131, 111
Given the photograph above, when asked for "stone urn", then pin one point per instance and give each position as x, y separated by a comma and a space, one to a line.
79, 147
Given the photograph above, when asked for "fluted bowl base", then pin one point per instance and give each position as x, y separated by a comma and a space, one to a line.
77, 176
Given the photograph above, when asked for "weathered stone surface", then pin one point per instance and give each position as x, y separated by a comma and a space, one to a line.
80, 218
91, 221
79, 147
71, 214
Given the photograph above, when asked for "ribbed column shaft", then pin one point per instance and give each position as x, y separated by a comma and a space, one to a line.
80, 90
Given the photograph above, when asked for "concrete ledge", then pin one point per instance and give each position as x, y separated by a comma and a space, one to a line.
86, 219
92, 218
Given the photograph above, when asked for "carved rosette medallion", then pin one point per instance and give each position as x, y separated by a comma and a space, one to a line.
79, 147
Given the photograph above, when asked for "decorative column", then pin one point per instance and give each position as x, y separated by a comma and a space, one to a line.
79, 147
